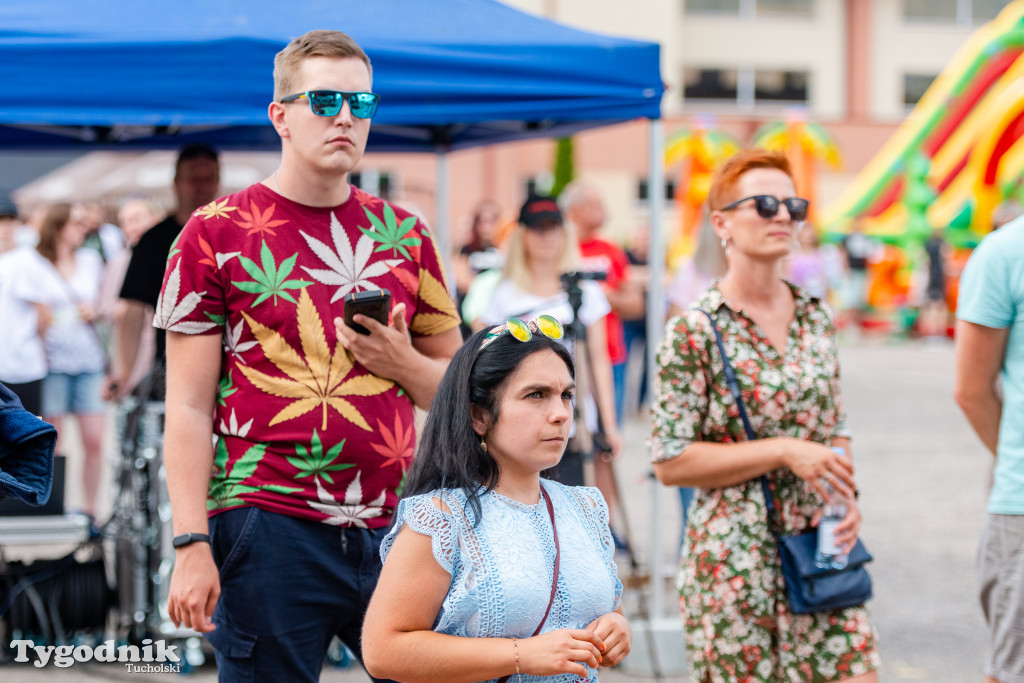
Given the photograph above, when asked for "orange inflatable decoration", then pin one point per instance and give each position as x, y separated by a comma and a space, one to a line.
698, 151
805, 144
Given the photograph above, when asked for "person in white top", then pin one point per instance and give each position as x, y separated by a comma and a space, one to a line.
22, 360
540, 251
63, 280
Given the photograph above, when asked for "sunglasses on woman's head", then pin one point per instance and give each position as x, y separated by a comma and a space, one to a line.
363, 105
768, 206
545, 324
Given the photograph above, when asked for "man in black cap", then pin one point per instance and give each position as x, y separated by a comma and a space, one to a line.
196, 181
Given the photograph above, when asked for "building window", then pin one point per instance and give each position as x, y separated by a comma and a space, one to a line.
378, 183
800, 8
712, 6
751, 9
710, 84
939, 10
965, 13
746, 87
642, 187
780, 86
987, 10
914, 87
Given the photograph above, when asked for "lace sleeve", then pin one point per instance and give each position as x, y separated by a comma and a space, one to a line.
427, 514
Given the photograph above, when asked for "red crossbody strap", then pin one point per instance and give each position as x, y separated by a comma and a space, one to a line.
554, 580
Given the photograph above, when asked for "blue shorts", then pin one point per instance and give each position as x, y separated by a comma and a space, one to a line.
288, 586
78, 394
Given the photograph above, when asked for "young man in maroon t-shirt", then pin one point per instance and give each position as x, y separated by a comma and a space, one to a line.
279, 516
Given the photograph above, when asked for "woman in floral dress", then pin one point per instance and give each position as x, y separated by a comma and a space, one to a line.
782, 344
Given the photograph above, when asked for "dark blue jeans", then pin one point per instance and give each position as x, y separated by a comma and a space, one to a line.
288, 586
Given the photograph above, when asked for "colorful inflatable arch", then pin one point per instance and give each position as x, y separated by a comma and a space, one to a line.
969, 127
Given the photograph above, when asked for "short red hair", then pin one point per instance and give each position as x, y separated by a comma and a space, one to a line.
726, 178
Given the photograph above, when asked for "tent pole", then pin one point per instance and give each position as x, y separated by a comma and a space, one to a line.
655, 328
443, 227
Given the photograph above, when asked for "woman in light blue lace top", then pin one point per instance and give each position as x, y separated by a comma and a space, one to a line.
480, 541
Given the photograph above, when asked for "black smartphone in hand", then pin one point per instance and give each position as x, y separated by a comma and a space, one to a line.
375, 303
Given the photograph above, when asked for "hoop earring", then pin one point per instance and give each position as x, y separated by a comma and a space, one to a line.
725, 243
483, 444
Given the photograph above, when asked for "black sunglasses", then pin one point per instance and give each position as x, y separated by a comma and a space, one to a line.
768, 206
363, 105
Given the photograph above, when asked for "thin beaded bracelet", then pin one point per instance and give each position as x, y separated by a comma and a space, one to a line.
515, 644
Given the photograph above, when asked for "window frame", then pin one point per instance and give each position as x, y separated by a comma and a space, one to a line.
964, 18
746, 99
643, 185
906, 75
748, 10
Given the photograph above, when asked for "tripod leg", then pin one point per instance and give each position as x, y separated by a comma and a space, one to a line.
607, 481
638, 580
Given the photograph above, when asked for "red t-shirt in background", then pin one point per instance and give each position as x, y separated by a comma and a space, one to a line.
601, 256
301, 428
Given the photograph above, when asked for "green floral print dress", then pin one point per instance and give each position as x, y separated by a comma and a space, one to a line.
737, 622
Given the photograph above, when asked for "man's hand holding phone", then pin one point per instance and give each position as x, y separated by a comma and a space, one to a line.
383, 349
373, 303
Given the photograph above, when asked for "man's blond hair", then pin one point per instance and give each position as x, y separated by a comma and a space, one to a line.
319, 43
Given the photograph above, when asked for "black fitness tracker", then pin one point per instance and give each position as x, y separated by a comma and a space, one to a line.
189, 539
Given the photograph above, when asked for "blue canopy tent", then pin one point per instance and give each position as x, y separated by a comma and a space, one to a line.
451, 73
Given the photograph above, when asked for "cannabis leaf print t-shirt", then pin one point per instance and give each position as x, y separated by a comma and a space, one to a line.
301, 428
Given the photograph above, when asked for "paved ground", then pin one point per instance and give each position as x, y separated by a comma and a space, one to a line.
923, 476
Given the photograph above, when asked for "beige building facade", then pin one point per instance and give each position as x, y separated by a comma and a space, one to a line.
855, 66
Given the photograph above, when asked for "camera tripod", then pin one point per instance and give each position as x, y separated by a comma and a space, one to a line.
584, 441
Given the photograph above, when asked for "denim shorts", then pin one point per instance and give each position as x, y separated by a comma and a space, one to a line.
1001, 575
78, 394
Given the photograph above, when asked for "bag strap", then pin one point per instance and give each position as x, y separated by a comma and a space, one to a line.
72, 296
554, 580
734, 389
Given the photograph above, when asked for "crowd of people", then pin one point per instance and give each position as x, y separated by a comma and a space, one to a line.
291, 428
77, 295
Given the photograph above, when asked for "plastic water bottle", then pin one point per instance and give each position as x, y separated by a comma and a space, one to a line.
829, 555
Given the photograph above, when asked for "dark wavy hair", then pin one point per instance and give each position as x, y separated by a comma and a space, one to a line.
450, 455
